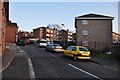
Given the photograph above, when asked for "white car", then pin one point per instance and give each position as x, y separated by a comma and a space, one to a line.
42, 43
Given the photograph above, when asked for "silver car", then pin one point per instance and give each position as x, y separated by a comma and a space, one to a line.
53, 47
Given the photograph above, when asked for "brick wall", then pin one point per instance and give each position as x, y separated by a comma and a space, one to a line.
36, 33
0, 27
4, 17
11, 38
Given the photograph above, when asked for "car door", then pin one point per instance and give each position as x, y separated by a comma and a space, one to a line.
68, 51
73, 51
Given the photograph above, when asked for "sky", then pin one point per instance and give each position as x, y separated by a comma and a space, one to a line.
29, 15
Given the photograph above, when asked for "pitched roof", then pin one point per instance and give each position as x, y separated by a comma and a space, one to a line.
94, 16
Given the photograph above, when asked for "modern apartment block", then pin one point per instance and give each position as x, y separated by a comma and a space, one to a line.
94, 31
45, 33
11, 28
52, 34
70, 35
4, 18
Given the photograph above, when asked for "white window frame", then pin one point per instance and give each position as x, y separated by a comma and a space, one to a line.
84, 32
84, 43
84, 22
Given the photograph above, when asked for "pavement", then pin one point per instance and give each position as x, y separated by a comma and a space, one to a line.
12, 61
14, 55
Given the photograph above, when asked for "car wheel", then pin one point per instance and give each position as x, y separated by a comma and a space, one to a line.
51, 50
62, 54
75, 58
46, 49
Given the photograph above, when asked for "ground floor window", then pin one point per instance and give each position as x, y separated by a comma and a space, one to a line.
84, 43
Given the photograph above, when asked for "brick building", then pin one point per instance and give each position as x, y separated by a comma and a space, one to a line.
4, 18
39, 33
45, 33
11, 32
94, 31
74, 37
63, 35
52, 34
70, 35
116, 38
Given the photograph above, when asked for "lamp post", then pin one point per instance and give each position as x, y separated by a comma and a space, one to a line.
63, 35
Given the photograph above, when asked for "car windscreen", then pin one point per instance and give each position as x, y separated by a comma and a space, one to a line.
83, 49
56, 45
43, 41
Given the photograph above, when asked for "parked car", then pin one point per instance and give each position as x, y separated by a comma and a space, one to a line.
27, 41
43, 43
21, 42
77, 52
53, 47
31, 42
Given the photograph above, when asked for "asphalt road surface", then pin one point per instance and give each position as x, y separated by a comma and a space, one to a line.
39, 64
53, 65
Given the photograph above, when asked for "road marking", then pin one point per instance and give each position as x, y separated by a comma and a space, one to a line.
31, 70
84, 71
4, 68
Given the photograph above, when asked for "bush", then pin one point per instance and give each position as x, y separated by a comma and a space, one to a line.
37, 41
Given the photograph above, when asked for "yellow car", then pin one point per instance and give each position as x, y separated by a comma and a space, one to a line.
77, 52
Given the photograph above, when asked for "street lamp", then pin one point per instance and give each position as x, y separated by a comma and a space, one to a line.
63, 35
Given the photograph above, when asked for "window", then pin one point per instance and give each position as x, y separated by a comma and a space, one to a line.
51, 35
84, 49
84, 32
74, 49
84, 21
69, 48
51, 31
47, 34
48, 30
84, 43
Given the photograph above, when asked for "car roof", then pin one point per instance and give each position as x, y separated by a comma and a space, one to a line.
54, 43
78, 46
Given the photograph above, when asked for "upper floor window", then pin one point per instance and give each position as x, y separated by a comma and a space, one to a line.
84, 32
84, 21
48, 30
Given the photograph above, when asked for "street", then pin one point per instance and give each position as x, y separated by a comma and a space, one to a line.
42, 64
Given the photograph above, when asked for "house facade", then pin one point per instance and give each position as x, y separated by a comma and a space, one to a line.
11, 28
4, 18
116, 39
94, 31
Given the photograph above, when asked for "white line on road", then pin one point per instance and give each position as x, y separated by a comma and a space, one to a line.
1, 70
84, 71
31, 70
